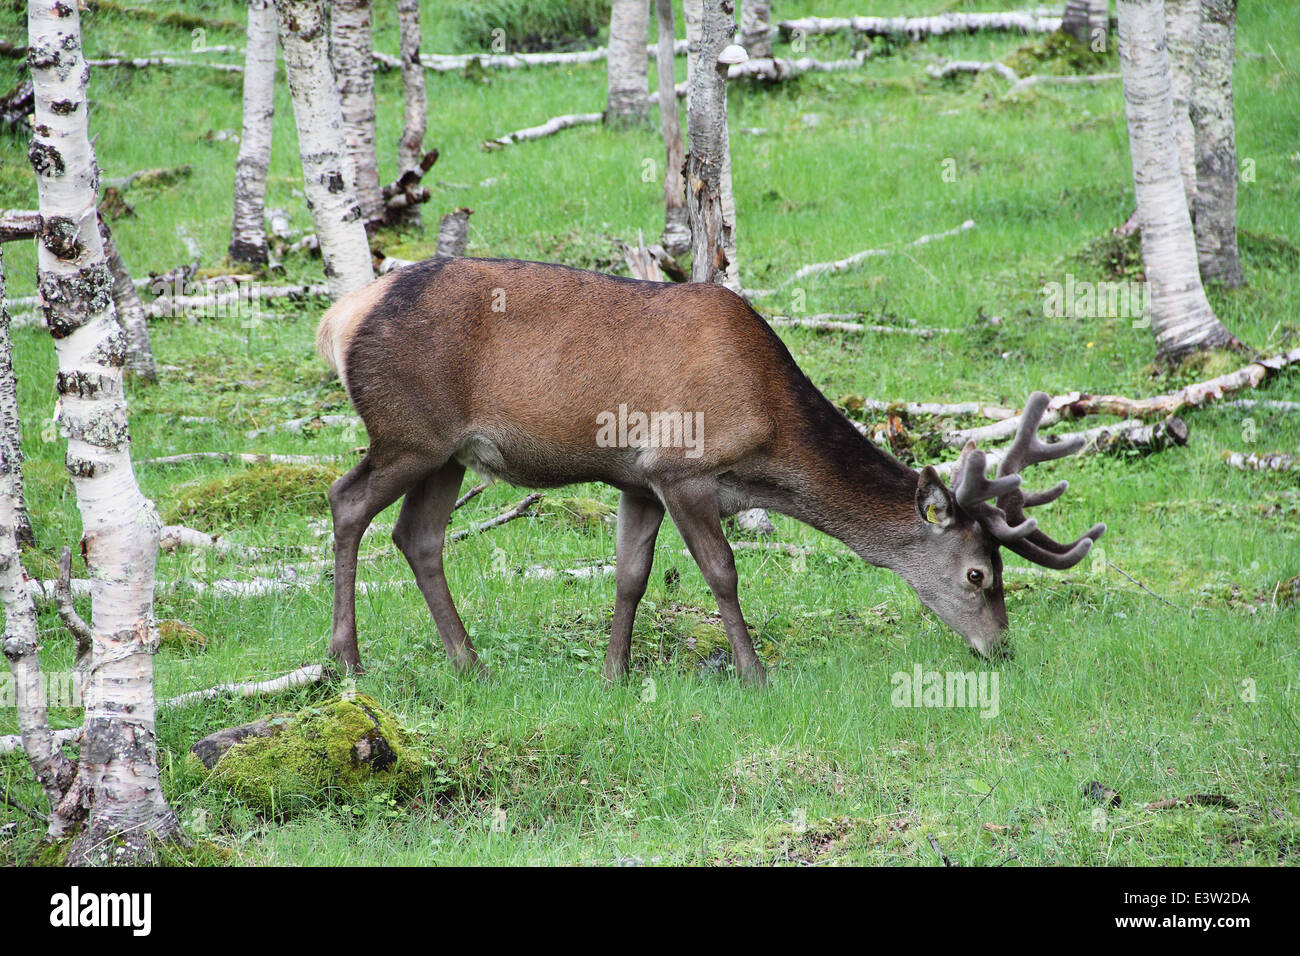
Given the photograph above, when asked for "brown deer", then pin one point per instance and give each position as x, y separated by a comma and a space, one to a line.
518, 369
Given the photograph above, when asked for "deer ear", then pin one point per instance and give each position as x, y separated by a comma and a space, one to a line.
934, 502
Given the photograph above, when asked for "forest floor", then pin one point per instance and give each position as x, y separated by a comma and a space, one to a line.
1188, 687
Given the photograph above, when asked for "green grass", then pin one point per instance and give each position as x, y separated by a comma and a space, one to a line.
683, 766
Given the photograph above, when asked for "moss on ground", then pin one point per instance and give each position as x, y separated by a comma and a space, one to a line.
216, 504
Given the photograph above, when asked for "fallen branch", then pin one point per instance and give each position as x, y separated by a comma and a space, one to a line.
1194, 799
776, 69
843, 265
450, 62
406, 191
18, 224
518, 511
917, 28
144, 62
12, 742
549, 128
469, 496
177, 536
302, 677
1130, 434
298, 424
1269, 404
1079, 79
953, 67
1268, 462
842, 323
246, 459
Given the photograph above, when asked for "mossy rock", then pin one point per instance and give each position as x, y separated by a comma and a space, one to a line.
587, 515
214, 504
1060, 53
344, 748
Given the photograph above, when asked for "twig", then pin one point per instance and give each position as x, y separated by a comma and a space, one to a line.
843, 265
518, 511
469, 496
1111, 564
934, 844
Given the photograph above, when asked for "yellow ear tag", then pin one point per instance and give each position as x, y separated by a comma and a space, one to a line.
930, 515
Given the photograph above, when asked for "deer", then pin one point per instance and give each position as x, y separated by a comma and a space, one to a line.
513, 369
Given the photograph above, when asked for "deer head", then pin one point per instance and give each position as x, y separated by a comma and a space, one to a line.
957, 568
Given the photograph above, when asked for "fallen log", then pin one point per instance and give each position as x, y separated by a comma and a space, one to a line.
17, 224
1266, 462
451, 62
844, 265
247, 458
549, 128
1077, 79
145, 62
844, 322
453, 232
919, 28
298, 424
302, 677
941, 71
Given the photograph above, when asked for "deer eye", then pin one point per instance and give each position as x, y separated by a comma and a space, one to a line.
975, 576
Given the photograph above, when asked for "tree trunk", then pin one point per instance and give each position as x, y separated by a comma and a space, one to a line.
1182, 18
1180, 315
11, 435
116, 790
130, 310
410, 148
676, 237
707, 126
339, 224
713, 123
756, 28
627, 64
248, 233
1216, 145
352, 53
1074, 20
53, 770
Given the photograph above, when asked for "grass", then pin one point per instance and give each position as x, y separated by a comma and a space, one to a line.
539, 763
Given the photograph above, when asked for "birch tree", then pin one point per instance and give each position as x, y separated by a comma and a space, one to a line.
339, 225
756, 28
1180, 315
116, 790
410, 148
627, 63
1086, 21
710, 120
352, 53
11, 435
130, 310
1182, 19
248, 232
676, 237
1216, 144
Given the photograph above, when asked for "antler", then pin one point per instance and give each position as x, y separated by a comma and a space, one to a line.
1006, 519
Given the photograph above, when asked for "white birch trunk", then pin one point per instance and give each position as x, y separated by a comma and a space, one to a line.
1074, 20
627, 65
1182, 19
117, 787
11, 434
339, 223
1180, 315
676, 237
756, 28
354, 72
410, 148
248, 231
52, 769
707, 125
1216, 144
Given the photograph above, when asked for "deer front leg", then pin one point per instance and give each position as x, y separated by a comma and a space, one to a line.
419, 533
355, 499
639, 517
693, 506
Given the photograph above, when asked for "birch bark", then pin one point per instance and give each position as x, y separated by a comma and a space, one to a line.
676, 237
351, 51
1180, 315
116, 790
1182, 19
11, 435
248, 230
627, 65
339, 221
410, 148
756, 28
1216, 144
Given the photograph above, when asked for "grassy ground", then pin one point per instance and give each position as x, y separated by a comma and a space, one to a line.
540, 763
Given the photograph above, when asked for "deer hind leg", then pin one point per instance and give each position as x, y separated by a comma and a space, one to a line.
693, 507
639, 517
419, 533
355, 499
